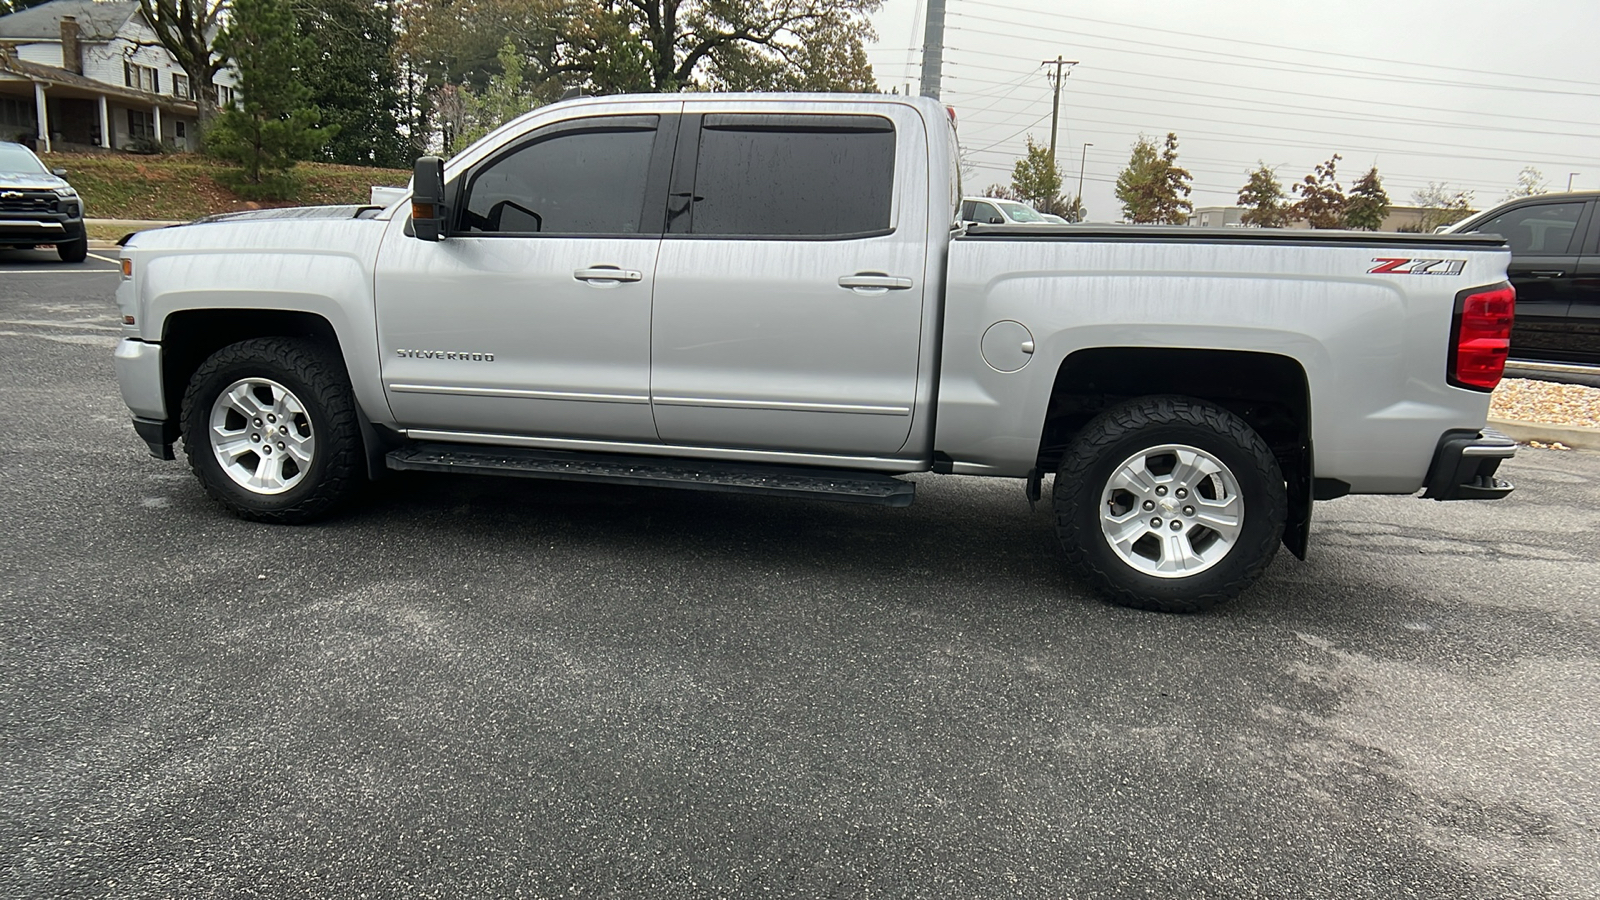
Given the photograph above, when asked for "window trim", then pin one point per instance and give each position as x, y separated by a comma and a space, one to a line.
653, 210
688, 157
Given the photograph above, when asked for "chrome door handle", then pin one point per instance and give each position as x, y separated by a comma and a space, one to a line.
607, 275
1548, 273
875, 282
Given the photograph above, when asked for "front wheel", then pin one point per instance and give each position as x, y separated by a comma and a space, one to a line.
73, 251
1169, 504
269, 426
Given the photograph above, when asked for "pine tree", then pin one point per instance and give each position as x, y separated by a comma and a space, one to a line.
1322, 198
1153, 189
1263, 199
354, 81
273, 122
1368, 203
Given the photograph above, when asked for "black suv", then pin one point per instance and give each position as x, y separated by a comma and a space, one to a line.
1555, 267
37, 206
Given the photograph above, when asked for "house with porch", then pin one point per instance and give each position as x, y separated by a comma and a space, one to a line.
85, 74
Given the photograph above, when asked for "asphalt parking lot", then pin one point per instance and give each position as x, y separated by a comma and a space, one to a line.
476, 688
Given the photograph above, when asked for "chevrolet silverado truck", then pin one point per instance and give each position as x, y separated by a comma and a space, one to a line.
774, 293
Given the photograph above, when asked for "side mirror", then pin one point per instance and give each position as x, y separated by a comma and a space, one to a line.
428, 210
996, 220
59, 173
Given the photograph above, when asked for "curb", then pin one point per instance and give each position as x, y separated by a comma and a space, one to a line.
1574, 436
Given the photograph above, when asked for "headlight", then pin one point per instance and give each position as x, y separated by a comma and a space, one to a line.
66, 192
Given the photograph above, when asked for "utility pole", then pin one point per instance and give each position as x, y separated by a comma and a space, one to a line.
1055, 105
933, 49
1077, 215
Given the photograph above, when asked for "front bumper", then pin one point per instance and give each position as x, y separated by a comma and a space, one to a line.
31, 230
1464, 466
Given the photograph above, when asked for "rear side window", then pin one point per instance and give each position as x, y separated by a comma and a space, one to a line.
586, 177
793, 175
1544, 229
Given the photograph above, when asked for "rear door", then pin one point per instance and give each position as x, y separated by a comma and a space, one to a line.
1583, 315
789, 292
1544, 238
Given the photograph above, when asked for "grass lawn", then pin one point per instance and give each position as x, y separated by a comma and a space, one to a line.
184, 186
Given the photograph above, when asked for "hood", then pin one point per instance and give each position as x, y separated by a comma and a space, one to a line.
294, 212
30, 181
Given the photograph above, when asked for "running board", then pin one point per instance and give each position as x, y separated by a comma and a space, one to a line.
688, 474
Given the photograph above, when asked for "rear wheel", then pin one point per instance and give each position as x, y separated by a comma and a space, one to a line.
1169, 504
270, 430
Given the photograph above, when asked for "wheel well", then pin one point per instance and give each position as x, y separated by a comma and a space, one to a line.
1270, 392
189, 337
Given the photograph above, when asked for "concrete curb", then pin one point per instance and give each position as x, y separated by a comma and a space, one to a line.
1569, 435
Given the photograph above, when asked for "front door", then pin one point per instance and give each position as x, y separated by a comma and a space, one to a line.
533, 316
1544, 241
789, 294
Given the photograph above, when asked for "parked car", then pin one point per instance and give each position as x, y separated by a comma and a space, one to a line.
764, 293
1555, 267
37, 206
994, 211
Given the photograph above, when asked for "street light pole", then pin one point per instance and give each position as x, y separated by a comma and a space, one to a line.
1569, 179
1077, 212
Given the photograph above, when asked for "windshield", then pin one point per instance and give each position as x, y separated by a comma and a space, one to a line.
1020, 213
17, 158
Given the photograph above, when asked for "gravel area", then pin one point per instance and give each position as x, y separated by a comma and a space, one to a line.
1526, 400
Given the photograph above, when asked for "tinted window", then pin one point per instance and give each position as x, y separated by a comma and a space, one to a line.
585, 181
1540, 230
785, 175
17, 158
988, 215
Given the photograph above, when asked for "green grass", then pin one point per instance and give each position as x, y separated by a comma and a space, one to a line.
185, 186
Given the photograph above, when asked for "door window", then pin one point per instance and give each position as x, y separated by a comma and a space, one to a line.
1540, 230
585, 177
794, 175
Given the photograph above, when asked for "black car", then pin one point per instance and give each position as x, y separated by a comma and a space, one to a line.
37, 206
1555, 267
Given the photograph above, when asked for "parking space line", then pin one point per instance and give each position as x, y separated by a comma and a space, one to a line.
115, 262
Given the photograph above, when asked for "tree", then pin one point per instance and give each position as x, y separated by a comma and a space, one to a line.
1322, 198
502, 100
1530, 182
273, 123
1153, 188
1073, 210
1263, 199
1441, 206
353, 79
612, 46
1368, 203
1036, 180
188, 29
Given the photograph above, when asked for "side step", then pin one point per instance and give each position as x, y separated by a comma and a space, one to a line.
654, 471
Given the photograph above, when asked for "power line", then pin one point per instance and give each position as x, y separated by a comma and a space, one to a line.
1296, 50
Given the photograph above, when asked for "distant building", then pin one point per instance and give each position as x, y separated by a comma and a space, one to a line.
80, 74
1400, 218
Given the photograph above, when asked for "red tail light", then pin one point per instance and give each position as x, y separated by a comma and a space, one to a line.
1482, 337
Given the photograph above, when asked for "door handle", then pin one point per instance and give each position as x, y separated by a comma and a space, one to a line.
875, 282
1547, 273
607, 275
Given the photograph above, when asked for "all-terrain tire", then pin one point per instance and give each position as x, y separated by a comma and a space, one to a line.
1088, 502
315, 379
73, 251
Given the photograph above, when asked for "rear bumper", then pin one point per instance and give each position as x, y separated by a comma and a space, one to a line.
1464, 466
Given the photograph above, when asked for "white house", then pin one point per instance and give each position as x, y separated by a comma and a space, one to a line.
79, 74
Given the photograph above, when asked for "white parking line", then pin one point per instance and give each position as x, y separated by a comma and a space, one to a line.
115, 262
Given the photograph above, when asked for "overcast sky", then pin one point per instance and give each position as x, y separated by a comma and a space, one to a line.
1465, 92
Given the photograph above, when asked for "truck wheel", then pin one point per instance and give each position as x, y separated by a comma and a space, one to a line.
1169, 504
269, 426
73, 251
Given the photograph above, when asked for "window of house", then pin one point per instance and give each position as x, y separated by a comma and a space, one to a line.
180, 86
141, 125
796, 175
142, 78
180, 130
585, 177
224, 96
17, 112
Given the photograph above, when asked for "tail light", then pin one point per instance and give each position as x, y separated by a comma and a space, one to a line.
1481, 337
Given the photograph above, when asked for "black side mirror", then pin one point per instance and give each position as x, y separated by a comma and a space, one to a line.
428, 210
996, 220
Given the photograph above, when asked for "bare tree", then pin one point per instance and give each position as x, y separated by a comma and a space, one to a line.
188, 30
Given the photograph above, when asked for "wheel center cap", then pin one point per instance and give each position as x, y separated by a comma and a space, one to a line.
1168, 504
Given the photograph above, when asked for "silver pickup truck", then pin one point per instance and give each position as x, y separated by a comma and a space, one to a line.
772, 293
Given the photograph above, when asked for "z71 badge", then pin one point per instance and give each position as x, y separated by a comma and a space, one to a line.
1389, 266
